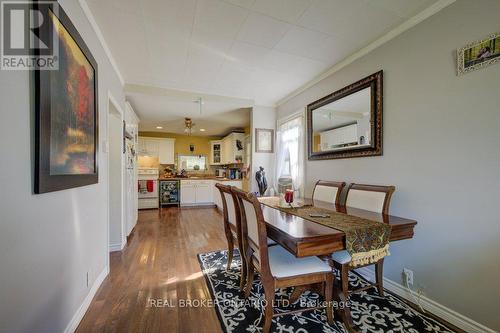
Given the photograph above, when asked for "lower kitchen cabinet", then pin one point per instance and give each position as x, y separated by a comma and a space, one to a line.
188, 193
196, 192
217, 196
203, 192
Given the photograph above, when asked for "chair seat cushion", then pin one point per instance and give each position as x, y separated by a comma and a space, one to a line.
342, 257
284, 264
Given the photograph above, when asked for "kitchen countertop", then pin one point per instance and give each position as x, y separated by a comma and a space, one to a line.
199, 178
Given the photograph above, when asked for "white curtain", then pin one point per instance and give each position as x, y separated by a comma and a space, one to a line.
290, 152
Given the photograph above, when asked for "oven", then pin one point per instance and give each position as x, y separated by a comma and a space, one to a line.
148, 188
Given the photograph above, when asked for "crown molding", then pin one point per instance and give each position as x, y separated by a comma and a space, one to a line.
408, 24
93, 23
184, 94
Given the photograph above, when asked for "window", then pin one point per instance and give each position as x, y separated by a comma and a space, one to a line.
290, 149
192, 162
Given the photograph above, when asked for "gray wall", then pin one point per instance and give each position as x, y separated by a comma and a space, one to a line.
115, 129
262, 117
48, 242
441, 150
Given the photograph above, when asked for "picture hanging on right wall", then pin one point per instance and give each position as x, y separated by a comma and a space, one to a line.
478, 54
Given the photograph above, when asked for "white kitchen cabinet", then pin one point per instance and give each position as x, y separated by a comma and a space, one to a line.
226, 148
217, 196
215, 152
230, 152
188, 192
166, 151
204, 191
197, 192
163, 148
339, 136
148, 146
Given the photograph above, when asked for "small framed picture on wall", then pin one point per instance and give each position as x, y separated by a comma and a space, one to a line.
264, 140
478, 54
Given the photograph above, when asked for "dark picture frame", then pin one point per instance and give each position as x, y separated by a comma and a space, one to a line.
259, 140
45, 179
375, 83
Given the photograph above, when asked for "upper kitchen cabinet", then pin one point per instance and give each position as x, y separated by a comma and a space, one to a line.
163, 148
215, 152
166, 151
229, 150
233, 148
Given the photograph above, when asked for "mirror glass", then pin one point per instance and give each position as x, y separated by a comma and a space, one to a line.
343, 124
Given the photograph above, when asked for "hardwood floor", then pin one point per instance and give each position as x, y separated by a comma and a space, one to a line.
159, 262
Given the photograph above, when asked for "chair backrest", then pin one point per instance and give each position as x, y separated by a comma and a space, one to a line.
328, 191
253, 229
375, 198
230, 210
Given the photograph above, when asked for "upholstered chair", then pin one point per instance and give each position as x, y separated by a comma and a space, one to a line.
277, 267
232, 228
328, 191
374, 198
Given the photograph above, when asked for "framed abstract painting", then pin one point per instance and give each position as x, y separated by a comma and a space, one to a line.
66, 112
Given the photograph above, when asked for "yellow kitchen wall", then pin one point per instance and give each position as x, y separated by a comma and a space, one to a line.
182, 142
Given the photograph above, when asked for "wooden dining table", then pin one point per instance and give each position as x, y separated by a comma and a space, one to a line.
304, 238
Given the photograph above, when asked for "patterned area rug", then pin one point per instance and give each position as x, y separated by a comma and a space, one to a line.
370, 312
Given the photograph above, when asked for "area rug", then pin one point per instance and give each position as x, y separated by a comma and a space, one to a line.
370, 312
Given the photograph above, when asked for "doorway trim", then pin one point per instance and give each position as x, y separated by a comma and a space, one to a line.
114, 247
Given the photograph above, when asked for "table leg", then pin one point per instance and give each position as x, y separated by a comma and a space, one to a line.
345, 312
339, 296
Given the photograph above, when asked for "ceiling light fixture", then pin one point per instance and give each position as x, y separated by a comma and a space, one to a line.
159, 127
202, 130
188, 125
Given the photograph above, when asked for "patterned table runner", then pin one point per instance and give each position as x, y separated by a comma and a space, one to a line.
366, 241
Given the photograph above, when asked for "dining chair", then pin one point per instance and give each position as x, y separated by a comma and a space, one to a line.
375, 198
232, 228
277, 267
328, 191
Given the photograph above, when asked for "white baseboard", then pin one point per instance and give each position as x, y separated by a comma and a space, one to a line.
207, 204
77, 317
116, 247
430, 305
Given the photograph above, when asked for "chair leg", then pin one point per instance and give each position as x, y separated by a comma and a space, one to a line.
230, 255
249, 278
344, 279
268, 306
379, 276
329, 297
230, 251
243, 272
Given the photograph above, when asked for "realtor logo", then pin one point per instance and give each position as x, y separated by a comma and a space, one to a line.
28, 38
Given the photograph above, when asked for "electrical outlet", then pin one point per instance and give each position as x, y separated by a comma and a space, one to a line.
408, 276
